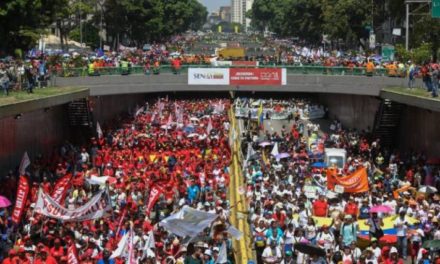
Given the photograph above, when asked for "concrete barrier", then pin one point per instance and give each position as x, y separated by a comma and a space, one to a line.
133, 84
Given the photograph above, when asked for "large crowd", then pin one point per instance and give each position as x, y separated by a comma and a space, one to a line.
178, 146
394, 220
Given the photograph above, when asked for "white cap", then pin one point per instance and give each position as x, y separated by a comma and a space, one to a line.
393, 250
208, 252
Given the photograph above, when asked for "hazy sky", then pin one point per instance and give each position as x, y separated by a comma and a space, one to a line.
213, 5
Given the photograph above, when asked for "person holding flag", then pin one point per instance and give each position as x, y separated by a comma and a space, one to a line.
260, 116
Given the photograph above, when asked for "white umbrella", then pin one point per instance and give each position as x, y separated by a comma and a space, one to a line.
427, 189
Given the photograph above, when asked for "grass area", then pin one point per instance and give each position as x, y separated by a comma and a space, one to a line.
22, 96
418, 92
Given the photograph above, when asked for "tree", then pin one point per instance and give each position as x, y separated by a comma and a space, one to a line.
23, 21
143, 21
347, 20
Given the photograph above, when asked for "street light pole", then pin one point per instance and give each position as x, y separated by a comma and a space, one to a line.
80, 25
407, 27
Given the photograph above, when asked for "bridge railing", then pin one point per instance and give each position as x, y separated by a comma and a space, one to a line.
291, 70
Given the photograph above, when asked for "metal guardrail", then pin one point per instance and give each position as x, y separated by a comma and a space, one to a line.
291, 70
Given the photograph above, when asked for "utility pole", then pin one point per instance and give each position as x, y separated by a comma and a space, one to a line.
80, 25
408, 13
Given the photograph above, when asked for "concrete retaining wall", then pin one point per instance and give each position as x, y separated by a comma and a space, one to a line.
420, 131
36, 132
354, 111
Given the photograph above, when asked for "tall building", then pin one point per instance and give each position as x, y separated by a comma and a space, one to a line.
239, 8
236, 13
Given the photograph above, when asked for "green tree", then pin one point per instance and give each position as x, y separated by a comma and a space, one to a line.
347, 20
23, 21
143, 21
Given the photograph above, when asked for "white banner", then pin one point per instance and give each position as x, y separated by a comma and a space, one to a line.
206, 76
96, 208
188, 222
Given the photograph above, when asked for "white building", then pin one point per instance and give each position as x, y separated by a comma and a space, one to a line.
239, 8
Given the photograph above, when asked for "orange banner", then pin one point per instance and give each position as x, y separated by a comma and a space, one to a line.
357, 182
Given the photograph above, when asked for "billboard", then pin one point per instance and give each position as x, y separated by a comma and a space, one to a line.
208, 76
263, 76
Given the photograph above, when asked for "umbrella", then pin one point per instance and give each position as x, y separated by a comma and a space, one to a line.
4, 202
282, 155
265, 144
432, 244
427, 189
309, 249
319, 165
381, 209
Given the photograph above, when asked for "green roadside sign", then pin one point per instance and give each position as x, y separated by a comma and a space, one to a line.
436, 8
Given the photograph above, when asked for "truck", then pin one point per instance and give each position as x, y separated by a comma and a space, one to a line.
335, 157
231, 53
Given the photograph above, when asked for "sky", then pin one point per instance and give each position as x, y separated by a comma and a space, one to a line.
213, 5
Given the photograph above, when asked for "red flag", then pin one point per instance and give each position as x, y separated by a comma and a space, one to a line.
154, 195
72, 256
121, 220
20, 202
61, 187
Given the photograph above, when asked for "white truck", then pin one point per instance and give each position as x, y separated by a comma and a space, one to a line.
335, 157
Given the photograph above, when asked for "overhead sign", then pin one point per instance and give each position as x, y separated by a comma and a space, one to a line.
266, 76
435, 8
207, 76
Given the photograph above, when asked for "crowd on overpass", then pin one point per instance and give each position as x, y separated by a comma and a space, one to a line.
172, 157
336, 196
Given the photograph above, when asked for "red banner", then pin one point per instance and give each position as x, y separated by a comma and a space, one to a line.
72, 256
154, 195
356, 182
263, 76
20, 202
61, 187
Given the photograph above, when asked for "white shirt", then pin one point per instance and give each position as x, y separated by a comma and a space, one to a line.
268, 252
401, 227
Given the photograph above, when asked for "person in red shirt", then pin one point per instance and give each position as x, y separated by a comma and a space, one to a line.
351, 208
45, 258
57, 250
320, 207
21, 257
10, 257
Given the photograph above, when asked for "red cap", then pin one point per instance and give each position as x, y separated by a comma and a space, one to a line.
12, 252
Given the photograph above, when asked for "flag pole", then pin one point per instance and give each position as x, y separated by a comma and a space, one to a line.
33, 212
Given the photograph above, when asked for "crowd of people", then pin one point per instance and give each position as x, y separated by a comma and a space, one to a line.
178, 146
292, 205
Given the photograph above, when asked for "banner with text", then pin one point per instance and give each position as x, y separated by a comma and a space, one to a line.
237, 76
263, 76
97, 207
208, 76
357, 182
20, 201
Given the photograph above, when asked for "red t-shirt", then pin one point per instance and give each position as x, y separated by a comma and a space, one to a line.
320, 208
351, 209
